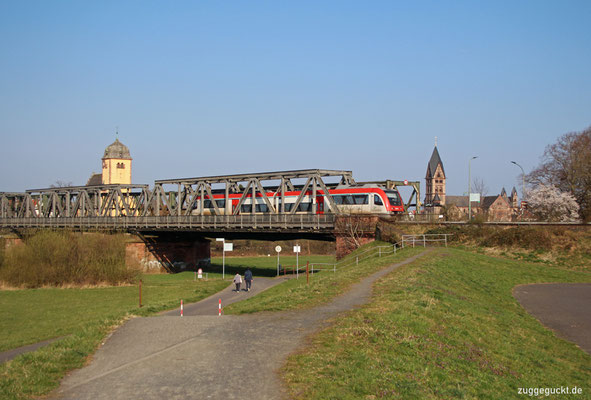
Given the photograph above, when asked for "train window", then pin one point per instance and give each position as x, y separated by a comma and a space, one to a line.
246, 208
361, 199
304, 207
221, 203
262, 208
394, 198
377, 200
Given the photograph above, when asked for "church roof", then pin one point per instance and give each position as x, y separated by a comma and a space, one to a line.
117, 150
433, 162
95, 180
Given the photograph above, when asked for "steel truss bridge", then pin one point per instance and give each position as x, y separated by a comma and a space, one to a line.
180, 204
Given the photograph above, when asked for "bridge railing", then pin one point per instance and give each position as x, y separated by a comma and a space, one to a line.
181, 222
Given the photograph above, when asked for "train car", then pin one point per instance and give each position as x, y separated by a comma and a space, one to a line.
367, 199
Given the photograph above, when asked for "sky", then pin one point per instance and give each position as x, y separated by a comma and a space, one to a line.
202, 88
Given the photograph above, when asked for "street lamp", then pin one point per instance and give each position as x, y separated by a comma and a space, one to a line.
522, 180
470, 189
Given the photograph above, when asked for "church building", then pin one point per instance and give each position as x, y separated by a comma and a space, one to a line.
116, 166
435, 183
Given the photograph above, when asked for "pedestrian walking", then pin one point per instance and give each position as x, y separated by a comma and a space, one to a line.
237, 281
248, 279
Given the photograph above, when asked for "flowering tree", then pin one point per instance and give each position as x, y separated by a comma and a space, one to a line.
567, 164
548, 203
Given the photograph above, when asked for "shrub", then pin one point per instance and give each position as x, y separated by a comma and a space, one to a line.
49, 258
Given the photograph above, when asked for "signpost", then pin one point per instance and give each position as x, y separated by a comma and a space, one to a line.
200, 273
278, 250
227, 247
297, 249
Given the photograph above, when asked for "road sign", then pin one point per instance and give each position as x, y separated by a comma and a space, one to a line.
406, 182
297, 249
278, 249
228, 246
199, 273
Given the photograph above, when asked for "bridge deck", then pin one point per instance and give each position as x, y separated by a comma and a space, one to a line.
269, 222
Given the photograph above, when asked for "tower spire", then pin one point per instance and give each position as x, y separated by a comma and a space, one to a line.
435, 141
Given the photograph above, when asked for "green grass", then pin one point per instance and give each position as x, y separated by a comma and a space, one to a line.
85, 317
297, 294
445, 326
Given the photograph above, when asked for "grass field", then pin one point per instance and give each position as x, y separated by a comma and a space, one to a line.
264, 266
446, 326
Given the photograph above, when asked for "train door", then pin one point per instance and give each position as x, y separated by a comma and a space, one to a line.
378, 204
319, 204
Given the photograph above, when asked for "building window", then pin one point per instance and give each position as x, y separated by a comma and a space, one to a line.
120, 166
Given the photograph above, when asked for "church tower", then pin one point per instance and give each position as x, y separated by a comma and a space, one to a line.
116, 164
435, 180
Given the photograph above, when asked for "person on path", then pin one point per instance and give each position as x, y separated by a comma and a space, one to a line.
237, 281
248, 279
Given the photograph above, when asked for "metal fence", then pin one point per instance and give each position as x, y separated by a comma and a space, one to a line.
379, 251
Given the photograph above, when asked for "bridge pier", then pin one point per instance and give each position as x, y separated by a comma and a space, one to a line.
353, 231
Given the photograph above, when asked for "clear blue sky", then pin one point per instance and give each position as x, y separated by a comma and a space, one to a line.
202, 88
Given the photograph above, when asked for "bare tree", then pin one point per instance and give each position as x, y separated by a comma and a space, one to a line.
566, 164
478, 186
59, 183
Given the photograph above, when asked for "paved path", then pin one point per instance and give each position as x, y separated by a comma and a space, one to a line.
563, 307
10, 354
204, 357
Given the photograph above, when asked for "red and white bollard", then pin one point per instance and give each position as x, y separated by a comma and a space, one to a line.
181, 308
220, 308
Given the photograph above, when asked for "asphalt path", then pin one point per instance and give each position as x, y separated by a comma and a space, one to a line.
205, 356
563, 307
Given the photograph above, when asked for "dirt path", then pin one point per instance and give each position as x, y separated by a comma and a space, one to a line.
562, 307
204, 357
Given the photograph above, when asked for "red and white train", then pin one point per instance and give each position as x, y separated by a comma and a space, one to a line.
365, 199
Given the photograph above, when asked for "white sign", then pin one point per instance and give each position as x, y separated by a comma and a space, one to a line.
228, 246
278, 249
296, 249
475, 197
199, 273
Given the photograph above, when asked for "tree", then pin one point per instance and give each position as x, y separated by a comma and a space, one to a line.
548, 203
566, 165
59, 184
478, 186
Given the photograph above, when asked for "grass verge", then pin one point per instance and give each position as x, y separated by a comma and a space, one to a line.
323, 286
446, 326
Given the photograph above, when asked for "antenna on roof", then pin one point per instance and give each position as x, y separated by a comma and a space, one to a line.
116, 132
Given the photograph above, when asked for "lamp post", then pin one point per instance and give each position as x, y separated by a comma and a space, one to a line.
522, 180
470, 188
